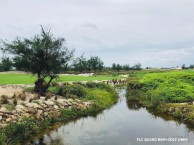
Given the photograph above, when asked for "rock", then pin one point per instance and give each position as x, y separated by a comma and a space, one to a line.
87, 103
3, 109
19, 107
13, 111
70, 100
48, 109
81, 106
49, 103
8, 119
45, 113
13, 117
36, 106
38, 114
75, 103
26, 115
77, 100
1, 118
56, 107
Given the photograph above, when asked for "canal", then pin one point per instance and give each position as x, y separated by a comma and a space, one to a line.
126, 123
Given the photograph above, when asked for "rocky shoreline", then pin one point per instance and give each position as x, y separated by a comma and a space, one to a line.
40, 108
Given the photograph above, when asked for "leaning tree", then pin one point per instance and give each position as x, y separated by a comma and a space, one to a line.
43, 55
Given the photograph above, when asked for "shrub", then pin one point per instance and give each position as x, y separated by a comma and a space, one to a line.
90, 85
134, 84
29, 89
168, 87
4, 99
76, 89
10, 107
102, 86
54, 84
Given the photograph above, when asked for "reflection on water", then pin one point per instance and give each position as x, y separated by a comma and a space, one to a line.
121, 125
133, 105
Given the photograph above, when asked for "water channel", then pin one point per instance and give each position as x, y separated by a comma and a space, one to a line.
126, 123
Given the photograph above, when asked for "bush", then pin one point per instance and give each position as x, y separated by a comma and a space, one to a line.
101, 86
168, 87
76, 89
29, 89
4, 99
134, 85
10, 107
90, 85
54, 84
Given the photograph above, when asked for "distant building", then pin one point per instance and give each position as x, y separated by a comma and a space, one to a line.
178, 68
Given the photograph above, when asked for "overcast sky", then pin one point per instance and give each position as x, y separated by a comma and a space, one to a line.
156, 33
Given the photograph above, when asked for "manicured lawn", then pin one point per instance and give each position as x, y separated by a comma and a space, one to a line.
29, 79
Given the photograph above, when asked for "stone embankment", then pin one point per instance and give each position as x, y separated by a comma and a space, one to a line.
39, 107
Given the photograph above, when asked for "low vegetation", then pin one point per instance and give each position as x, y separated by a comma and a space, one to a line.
171, 87
169, 92
101, 95
29, 79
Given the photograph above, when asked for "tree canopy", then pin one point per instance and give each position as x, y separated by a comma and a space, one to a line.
43, 55
81, 64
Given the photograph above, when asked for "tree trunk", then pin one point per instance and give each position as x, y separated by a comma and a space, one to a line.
39, 87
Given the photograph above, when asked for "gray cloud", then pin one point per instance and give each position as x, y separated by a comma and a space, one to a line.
154, 33
89, 25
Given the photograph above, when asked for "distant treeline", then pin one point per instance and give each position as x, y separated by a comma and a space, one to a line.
80, 64
188, 67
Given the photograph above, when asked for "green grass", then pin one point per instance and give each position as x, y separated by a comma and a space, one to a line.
165, 92
166, 87
29, 79
102, 96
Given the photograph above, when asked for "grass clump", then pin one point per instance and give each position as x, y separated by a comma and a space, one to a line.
76, 90
10, 107
169, 87
4, 99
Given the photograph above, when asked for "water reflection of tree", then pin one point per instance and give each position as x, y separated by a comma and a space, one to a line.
133, 105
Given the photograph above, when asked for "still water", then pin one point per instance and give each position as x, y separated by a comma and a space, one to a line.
126, 123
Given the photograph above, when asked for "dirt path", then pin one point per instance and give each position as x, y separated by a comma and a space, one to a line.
9, 90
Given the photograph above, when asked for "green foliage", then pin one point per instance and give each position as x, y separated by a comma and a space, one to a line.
101, 86
169, 87
116, 67
126, 67
5, 64
55, 89
134, 84
29, 89
76, 89
101, 98
4, 99
80, 64
95, 63
28, 79
43, 55
10, 107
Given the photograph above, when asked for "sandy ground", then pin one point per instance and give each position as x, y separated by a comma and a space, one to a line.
22, 72
13, 72
9, 90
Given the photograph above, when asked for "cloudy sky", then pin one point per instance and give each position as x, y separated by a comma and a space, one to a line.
156, 33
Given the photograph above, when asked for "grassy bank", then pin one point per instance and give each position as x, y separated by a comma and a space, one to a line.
169, 92
102, 96
29, 79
